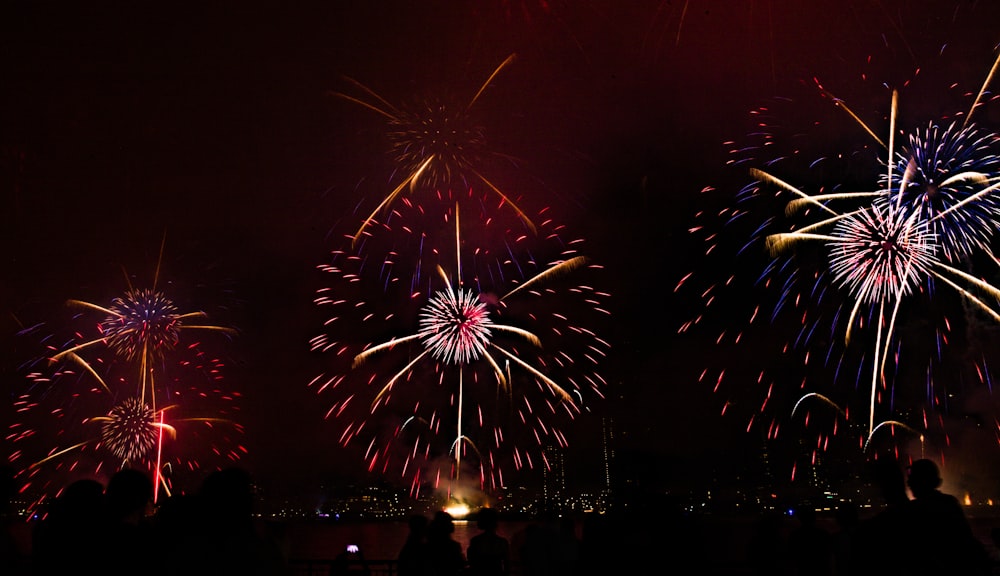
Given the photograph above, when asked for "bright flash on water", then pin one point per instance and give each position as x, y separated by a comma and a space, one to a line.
457, 510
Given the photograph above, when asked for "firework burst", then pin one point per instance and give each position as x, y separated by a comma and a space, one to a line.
130, 430
437, 146
951, 174
880, 254
142, 323
116, 390
141, 327
474, 376
455, 325
891, 260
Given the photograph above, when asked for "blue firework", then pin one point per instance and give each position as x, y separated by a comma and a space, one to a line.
948, 178
868, 271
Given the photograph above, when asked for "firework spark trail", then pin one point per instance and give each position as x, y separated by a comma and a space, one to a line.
130, 430
143, 326
485, 372
68, 427
930, 214
437, 146
110, 387
893, 423
401, 245
941, 211
951, 186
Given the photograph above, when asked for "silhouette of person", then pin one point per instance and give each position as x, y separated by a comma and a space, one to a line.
68, 540
231, 541
129, 541
445, 555
940, 532
810, 544
176, 527
488, 552
882, 540
412, 558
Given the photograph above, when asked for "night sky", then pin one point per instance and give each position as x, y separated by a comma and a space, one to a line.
214, 130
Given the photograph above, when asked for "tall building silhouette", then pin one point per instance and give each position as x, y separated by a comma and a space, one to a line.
608, 454
554, 479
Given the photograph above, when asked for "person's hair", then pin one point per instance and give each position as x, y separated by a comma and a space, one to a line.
487, 519
924, 475
129, 490
443, 523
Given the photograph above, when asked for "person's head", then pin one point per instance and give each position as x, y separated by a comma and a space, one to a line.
83, 499
417, 523
888, 475
443, 524
129, 493
487, 519
924, 477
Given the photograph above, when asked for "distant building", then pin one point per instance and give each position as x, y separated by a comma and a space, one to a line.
371, 502
608, 453
554, 480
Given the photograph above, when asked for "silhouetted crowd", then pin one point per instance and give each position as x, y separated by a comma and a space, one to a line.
656, 538
115, 529
112, 530
923, 535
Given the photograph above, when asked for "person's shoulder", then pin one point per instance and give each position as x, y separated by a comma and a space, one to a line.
951, 497
942, 498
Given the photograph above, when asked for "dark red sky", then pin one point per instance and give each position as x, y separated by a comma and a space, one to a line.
215, 126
